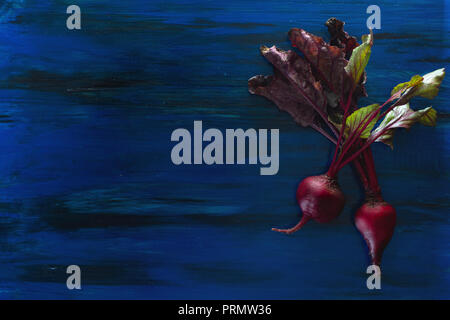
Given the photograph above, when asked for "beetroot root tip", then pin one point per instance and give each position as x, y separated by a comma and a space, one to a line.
299, 225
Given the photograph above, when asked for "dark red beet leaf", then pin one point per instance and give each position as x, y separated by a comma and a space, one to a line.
279, 91
340, 38
328, 61
292, 87
309, 88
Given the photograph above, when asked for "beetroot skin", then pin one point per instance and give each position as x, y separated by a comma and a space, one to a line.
376, 222
320, 199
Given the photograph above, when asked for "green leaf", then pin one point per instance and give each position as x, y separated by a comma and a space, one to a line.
402, 117
360, 58
429, 87
359, 118
426, 86
428, 116
415, 80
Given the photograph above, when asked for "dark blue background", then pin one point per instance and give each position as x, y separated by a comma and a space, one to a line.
86, 176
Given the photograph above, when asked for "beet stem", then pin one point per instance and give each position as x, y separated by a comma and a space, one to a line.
332, 170
323, 132
358, 163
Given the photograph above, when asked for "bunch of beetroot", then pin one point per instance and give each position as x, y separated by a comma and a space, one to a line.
320, 88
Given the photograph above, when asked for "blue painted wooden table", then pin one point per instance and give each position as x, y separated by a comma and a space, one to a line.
86, 176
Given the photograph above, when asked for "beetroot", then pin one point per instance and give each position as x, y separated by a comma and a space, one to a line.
375, 219
320, 199
376, 222
320, 89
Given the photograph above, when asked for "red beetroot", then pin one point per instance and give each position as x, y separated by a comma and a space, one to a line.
320, 199
316, 92
376, 222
